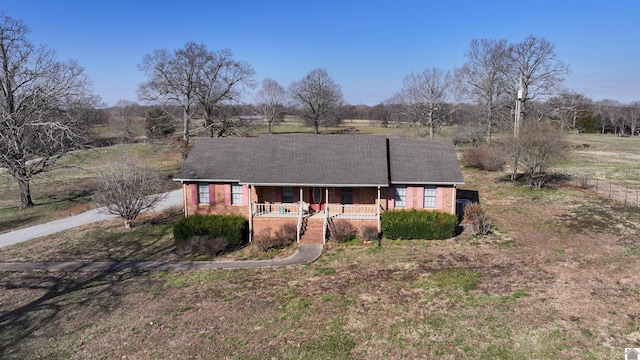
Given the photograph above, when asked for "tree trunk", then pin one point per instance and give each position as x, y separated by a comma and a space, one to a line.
127, 223
185, 143
25, 194
315, 128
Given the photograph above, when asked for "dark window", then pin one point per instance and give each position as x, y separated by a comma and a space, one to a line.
287, 195
347, 196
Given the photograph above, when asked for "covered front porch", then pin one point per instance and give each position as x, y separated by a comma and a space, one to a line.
316, 203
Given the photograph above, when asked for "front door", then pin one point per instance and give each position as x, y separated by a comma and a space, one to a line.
317, 199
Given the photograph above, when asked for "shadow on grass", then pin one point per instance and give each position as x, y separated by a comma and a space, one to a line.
57, 292
14, 223
60, 291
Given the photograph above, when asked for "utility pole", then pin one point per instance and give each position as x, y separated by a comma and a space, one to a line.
516, 128
519, 99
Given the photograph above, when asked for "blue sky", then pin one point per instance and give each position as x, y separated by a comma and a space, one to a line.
366, 46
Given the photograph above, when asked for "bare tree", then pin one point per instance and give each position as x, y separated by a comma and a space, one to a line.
427, 97
565, 108
270, 101
128, 189
485, 80
222, 82
319, 97
42, 104
634, 116
193, 76
535, 65
536, 149
610, 112
125, 116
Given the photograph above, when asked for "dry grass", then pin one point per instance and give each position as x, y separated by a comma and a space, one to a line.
67, 189
558, 278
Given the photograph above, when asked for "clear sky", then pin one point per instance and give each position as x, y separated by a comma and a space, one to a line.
366, 46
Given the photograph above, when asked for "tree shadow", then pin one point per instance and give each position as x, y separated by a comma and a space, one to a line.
61, 290
23, 322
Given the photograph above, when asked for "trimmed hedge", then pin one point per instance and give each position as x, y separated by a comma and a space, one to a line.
234, 229
418, 224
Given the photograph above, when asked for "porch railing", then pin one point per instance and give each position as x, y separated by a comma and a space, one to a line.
353, 212
277, 210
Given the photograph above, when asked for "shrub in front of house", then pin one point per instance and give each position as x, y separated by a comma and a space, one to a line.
418, 224
342, 231
283, 237
211, 231
368, 233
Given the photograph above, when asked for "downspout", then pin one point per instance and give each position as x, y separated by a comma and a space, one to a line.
184, 199
378, 210
250, 214
453, 199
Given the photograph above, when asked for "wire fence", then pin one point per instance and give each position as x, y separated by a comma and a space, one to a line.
628, 194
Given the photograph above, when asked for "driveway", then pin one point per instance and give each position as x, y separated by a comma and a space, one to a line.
174, 198
304, 254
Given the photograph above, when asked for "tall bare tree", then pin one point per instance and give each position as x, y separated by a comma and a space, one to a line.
42, 105
319, 98
427, 97
190, 77
270, 101
536, 66
485, 80
222, 82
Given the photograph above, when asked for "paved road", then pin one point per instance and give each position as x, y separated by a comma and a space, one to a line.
174, 198
305, 254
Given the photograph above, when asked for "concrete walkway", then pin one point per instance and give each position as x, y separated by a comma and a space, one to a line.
305, 254
174, 198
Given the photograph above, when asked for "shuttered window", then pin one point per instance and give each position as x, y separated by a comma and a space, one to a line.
203, 193
429, 197
236, 194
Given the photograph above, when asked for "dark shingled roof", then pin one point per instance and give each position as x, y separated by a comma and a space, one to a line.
432, 161
321, 160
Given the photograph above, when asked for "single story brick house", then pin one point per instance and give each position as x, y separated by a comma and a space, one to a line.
313, 180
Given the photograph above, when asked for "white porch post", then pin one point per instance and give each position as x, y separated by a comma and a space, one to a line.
378, 211
326, 199
301, 198
250, 215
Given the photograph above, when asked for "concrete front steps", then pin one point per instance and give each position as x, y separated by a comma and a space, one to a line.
313, 231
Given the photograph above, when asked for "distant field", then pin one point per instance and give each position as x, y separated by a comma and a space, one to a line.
604, 157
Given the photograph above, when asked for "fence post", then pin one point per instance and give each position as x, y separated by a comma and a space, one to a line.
626, 190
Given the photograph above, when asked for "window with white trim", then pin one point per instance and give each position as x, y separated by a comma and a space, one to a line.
287, 195
429, 197
347, 196
400, 195
203, 193
236, 194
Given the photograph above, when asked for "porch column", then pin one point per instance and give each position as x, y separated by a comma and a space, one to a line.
453, 199
250, 214
326, 200
301, 198
378, 211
